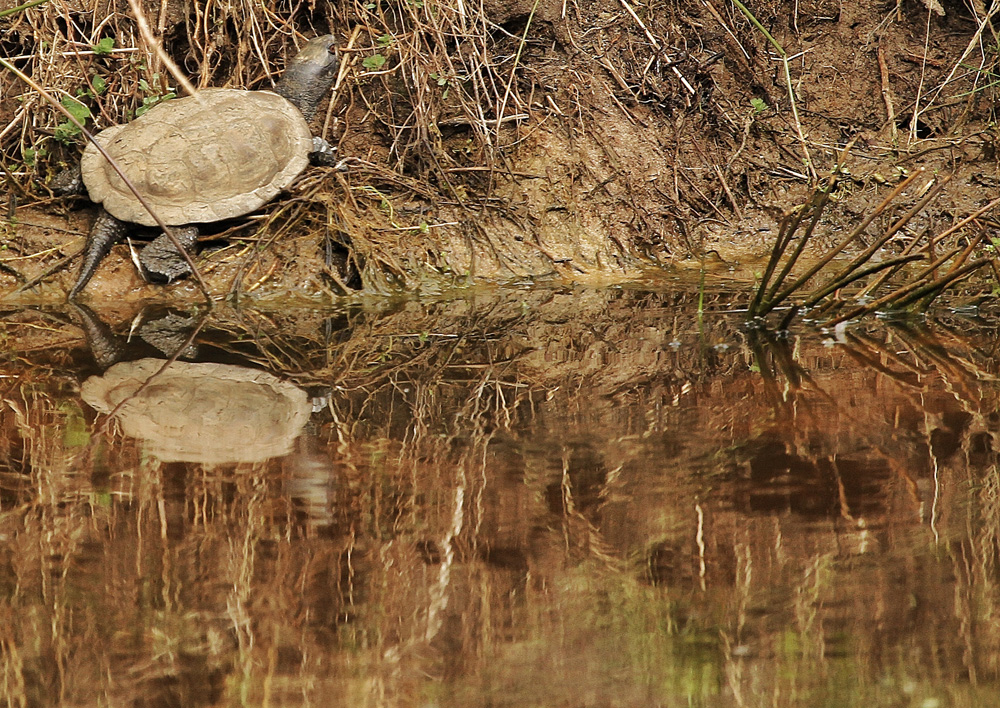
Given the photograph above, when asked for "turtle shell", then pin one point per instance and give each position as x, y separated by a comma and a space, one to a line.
217, 155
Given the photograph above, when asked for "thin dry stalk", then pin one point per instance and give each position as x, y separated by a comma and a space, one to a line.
975, 41
765, 301
848, 273
922, 287
888, 301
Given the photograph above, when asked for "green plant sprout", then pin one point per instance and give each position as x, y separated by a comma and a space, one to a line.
67, 130
374, 62
155, 94
104, 47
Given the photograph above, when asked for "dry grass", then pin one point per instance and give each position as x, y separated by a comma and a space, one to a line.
425, 93
901, 270
436, 103
532, 138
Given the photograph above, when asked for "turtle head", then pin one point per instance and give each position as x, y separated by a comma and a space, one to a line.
310, 74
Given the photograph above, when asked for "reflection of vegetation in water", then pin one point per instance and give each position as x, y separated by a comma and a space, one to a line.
598, 633
572, 501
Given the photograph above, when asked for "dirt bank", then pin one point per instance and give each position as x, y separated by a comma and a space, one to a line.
581, 141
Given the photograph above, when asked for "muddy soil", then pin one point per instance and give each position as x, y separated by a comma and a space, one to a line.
644, 136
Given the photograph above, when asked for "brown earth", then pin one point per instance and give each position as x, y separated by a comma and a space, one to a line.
633, 137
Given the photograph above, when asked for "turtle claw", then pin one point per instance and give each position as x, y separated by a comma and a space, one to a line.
68, 182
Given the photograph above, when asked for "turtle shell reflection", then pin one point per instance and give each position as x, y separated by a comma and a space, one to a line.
201, 412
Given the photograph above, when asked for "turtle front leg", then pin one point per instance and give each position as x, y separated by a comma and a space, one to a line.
161, 260
105, 233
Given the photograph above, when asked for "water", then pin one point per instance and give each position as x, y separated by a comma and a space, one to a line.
562, 497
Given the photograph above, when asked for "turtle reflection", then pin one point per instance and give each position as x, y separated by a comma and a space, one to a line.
184, 411
201, 412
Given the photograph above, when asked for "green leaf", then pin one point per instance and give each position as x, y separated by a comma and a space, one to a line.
77, 432
77, 110
99, 84
64, 132
385, 40
150, 101
67, 130
758, 105
105, 46
374, 62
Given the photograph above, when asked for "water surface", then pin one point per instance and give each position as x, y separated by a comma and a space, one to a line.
562, 497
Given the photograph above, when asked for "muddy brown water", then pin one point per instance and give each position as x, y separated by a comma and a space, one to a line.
524, 497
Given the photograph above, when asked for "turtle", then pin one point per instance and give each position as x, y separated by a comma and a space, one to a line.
215, 155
